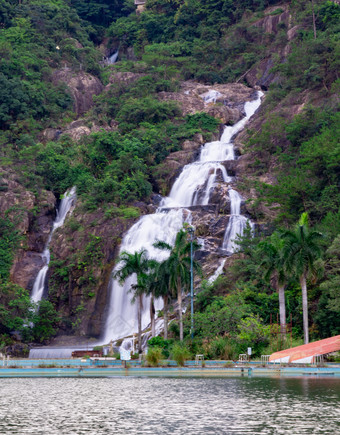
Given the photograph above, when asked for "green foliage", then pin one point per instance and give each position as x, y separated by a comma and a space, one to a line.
154, 356
254, 334
180, 354
9, 242
160, 343
18, 313
45, 321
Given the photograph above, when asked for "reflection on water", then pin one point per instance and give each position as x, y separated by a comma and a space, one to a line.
129, 405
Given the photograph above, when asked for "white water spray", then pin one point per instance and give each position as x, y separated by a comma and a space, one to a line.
65, 205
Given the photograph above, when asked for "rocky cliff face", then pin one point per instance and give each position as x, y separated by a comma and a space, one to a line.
33, 216
83, 251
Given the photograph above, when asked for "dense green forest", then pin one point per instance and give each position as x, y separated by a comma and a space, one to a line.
211, 42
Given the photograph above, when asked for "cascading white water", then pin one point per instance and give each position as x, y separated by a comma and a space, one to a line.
65, 205
192, 179
122, 314
113, 58
217, 272
211, 96
203, 173
237, 223
192, 187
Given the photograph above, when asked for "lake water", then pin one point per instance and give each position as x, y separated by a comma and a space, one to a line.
132, 405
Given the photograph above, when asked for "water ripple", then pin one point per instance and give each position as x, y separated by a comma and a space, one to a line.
169, 406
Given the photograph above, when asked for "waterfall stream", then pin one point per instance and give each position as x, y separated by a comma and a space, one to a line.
64, 207
192, 187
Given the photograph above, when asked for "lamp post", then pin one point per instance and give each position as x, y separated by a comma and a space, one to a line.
191, 232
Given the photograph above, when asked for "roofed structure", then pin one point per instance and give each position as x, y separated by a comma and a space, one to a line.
307, 353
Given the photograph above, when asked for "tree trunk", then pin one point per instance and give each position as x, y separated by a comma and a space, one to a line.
282, 306
152, 317
304, 308
165, 299
139, 315
314, 20
180, 314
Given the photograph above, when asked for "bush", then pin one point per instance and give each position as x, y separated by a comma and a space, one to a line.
154, 356
180, 354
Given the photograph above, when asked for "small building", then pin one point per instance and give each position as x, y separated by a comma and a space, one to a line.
140, 6
91, 353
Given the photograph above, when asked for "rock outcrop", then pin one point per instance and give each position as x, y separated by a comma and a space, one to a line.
82, 86
262, 74
227, 106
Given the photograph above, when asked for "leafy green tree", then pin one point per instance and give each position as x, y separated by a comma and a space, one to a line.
45, 321
16, 309
301, 250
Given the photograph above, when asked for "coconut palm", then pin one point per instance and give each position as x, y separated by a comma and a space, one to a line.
162, 290
274, 265
150, 288
177, 267
139, 264
301, 250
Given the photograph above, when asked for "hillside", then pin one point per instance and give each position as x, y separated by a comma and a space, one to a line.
122, 133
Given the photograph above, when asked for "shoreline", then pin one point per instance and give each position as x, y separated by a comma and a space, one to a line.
98, 371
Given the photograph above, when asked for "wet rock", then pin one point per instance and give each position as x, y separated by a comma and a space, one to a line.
220, 197
26, 268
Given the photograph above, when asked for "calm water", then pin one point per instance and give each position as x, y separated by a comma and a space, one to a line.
170, 406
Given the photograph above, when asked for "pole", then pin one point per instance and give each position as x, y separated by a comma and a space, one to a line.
191, 231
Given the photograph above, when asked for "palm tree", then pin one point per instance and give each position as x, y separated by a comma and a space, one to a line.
178, 269
139, 264
301, 250
274, 264
150, 288
162, 290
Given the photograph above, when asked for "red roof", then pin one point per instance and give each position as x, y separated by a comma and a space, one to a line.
320, 347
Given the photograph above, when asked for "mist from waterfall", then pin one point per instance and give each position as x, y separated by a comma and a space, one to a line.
65, 205
192, 187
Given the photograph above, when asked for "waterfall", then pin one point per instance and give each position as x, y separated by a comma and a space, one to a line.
122, 314
64, 207
113, 58
211, 96
217, 273
192, 187
237, 223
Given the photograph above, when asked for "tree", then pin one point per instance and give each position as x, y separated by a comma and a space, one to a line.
274, 265
301, 250
136, 263
161, 283
177, 267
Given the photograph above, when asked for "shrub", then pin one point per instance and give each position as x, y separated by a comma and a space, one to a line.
180, 354
154, 356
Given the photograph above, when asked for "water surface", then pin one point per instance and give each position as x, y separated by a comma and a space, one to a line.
132, 405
